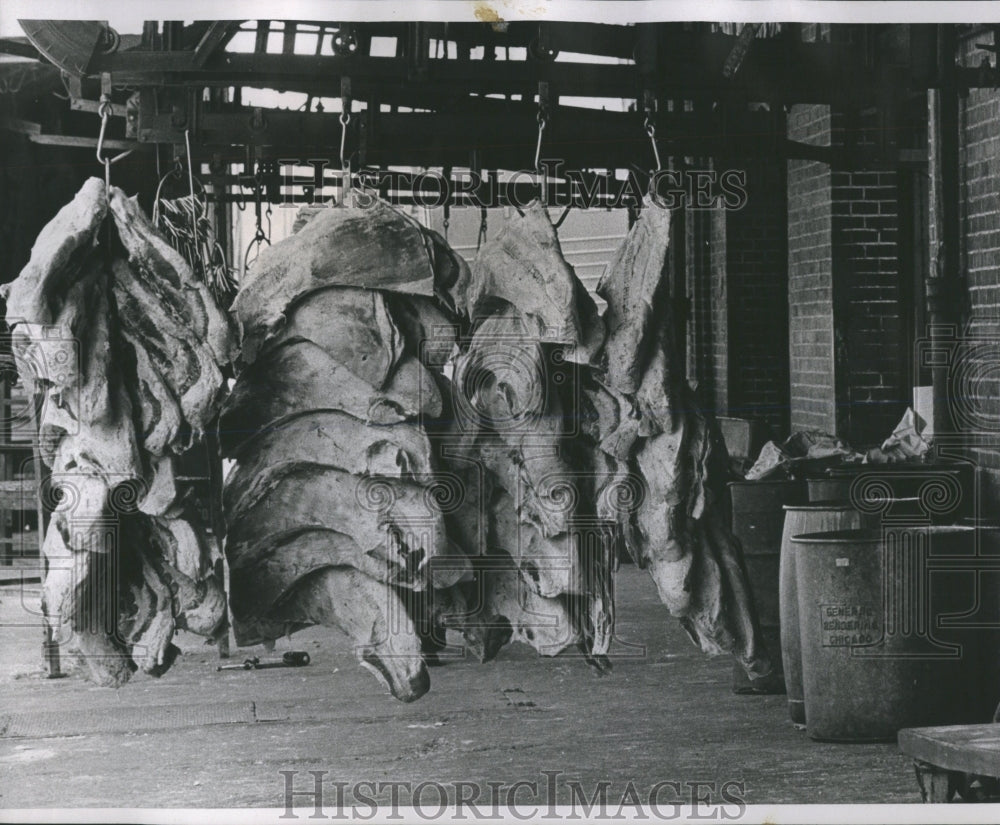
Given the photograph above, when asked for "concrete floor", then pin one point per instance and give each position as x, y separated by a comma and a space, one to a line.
665, 715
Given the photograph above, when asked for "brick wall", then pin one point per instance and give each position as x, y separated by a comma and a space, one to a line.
718, 316
868, 325
849, 285
736, 268
810, 277
701, 331
756, 286
848, 347
979, 198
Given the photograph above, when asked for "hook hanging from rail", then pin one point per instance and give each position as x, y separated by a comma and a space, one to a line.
649, 104
345, 119
345, 165
241, 201
482, 227
260, 237
651, 131
248, 165
446, 171
104, 110
543, 119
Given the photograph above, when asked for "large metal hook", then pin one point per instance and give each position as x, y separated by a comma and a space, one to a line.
649, 106
542, 121
345, 118
260, 237
104, 110
258, 241
482, 227
651, 131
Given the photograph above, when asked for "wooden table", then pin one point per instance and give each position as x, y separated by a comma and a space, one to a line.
955, 759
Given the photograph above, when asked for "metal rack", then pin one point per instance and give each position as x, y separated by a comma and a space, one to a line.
19, 490
467, 95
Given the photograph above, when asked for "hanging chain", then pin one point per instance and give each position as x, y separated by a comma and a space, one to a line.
258, 194
259, 238
346, 105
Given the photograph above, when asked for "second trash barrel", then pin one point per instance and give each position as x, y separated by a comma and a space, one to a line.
987, 613
826, 488
814, 517
758, 519
874, 659
941, 490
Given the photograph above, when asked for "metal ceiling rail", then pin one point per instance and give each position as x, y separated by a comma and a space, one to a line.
667, 59
697, 85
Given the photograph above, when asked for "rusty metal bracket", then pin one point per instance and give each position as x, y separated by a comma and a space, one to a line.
74, 84
131, 116
543, 97
346, 99
82, 104
648, 102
